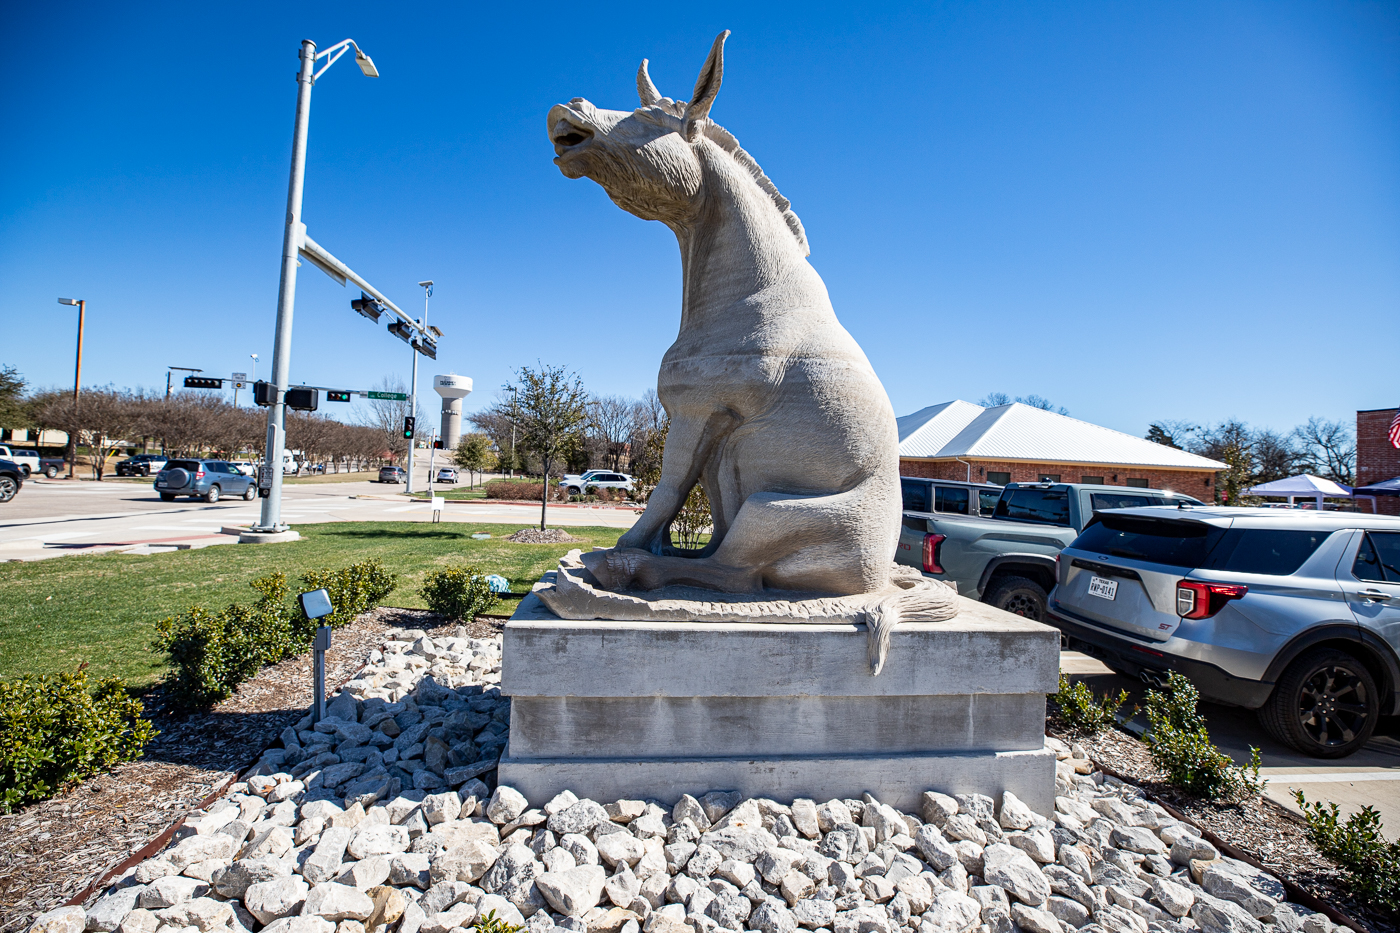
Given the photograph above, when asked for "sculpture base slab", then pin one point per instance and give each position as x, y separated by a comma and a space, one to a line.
613, 710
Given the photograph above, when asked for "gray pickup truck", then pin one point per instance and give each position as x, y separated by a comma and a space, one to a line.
1004, 554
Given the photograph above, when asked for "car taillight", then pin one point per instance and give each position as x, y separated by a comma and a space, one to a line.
932, 543
198, 474
1203, 600
1057, 568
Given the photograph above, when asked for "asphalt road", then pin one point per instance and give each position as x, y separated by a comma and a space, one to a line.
55, 518
1370, 776
52, 518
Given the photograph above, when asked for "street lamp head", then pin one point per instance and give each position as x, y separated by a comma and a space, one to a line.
426, 283
366, 64
68, 301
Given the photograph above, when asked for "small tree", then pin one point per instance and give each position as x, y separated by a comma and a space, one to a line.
552, 412
474, 455
13, 411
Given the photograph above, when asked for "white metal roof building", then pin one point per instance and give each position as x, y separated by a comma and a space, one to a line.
1021, 443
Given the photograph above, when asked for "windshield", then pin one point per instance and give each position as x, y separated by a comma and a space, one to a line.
1044, 506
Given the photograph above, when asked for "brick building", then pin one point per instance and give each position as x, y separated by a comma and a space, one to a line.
1376, 459
1017, 443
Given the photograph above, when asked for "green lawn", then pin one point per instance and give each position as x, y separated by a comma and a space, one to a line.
103, 608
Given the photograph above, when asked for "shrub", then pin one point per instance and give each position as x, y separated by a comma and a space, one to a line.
458, 593
521, 489
1370, 863
353, 590
1081, 711
1181, 746
214, 652
53, 731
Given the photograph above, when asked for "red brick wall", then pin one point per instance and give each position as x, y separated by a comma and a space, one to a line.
1376, 459
1190, 482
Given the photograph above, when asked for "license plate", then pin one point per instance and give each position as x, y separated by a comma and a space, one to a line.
162, 483
1106, 589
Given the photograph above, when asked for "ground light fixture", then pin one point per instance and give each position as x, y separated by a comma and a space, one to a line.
316, 605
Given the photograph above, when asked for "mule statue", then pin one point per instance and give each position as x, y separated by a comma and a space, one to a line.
773, 406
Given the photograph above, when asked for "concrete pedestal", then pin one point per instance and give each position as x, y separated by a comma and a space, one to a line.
656, 709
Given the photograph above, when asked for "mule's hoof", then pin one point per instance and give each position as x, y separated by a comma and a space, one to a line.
613, 568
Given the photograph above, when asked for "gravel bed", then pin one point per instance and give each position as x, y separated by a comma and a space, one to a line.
378, 818
53, 850
1267, 832
535, 536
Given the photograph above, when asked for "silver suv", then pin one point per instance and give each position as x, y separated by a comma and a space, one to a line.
1292, 613
209, 480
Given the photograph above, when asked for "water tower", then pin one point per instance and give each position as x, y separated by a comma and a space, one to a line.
453, 389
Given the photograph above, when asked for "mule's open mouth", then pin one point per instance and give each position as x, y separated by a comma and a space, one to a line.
566, 135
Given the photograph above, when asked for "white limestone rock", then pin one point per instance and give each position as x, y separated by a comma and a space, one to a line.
273, 900
337, 902
505, 805
1013, 870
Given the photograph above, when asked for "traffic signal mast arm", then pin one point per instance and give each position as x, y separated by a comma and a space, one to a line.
318, 257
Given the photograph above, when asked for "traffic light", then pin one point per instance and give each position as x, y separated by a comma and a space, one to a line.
437, 444
264, 393
203, 382
402, 331
303, 398
369, 307
334, 396
426, 346
408, 429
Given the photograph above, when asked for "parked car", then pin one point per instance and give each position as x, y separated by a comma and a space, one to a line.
1292, 613
392, 474
141, 465
12, 477
209, 480
26, 458
1006, 559
246, 467
586, 483
447, 475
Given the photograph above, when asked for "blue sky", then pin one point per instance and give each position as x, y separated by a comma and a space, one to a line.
1139, 211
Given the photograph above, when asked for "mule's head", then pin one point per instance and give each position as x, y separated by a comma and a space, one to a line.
645, 159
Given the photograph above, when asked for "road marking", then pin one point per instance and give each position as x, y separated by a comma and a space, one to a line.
1332, 778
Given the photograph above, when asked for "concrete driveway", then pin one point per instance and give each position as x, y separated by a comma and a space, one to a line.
1371, 776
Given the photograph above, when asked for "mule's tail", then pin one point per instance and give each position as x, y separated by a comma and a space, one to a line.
880, 620
922, 601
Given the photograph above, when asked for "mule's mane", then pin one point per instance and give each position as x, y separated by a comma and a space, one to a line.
673, 112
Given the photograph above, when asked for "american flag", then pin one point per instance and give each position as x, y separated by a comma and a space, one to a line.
1395, 430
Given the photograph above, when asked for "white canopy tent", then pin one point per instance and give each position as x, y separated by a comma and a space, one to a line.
1304, 486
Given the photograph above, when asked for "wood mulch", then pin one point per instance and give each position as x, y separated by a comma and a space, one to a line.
53, 850
1272, 835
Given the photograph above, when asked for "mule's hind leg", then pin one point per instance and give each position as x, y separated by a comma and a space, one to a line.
780, 540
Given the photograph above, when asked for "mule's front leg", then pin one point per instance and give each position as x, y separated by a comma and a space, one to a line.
689, 444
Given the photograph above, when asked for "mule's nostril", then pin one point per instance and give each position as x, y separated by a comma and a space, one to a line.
570, 139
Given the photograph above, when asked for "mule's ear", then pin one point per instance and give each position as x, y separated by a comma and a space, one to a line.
706, 87
647, 91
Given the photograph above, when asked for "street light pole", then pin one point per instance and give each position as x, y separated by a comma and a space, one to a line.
271, 517
293, 239
413, 385
77, 379
514, 397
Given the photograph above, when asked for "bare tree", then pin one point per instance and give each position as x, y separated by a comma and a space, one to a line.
613, 420
386, 416
552, 412
1329, 449
993, 399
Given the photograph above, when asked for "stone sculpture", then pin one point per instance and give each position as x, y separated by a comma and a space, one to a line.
773, 406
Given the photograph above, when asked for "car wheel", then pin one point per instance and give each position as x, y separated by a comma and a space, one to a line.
8, 488
1325, 705
212, 495
51, 472
24, 468
1018, 596
167, 497
251, 492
